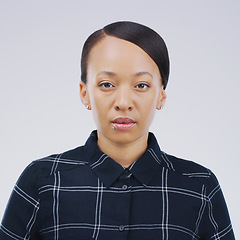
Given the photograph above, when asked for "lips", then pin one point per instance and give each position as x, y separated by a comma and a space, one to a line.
123, 120
123, 123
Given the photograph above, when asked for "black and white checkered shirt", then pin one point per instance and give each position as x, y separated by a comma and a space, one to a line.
83, 194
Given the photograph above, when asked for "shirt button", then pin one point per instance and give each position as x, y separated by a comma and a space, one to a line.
124, 187
121, 228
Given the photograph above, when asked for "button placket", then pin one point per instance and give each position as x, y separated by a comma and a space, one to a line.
121, 228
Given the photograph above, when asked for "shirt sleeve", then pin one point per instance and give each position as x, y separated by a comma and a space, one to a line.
21, 220
215, 222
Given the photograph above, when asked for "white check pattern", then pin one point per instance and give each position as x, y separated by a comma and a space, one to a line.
83, 194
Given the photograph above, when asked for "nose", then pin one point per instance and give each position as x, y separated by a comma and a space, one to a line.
123, 99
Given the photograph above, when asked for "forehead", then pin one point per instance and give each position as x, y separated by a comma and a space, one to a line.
112, 52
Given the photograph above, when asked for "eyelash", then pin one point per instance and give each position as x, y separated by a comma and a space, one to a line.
142, 84
108, 85
103, 85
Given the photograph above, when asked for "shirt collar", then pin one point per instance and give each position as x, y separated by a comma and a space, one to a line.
108, 170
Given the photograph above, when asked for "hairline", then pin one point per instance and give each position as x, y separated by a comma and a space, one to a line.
105, 35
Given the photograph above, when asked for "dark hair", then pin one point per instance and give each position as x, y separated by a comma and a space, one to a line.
144, 37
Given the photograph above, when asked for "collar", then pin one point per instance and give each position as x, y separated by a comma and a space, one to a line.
108, 170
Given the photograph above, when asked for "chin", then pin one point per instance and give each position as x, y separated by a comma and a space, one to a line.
125, 137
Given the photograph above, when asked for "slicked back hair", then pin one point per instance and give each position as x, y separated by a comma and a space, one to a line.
144, 37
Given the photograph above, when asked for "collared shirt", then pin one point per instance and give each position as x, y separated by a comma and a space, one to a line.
84, 194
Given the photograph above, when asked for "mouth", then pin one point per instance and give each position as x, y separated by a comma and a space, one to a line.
123, 123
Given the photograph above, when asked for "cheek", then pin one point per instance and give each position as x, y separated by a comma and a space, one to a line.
94, 98
149, 101
100, 107
148, 107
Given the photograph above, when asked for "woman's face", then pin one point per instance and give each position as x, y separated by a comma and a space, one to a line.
123, 90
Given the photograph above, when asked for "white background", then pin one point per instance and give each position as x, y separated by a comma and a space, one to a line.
41, 112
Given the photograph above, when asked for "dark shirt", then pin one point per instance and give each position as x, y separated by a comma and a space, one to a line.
84, 194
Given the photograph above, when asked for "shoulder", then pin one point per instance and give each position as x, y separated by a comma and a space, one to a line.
56, 162
192, 170
187, 167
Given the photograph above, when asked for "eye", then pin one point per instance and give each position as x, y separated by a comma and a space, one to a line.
105, 85
142, 86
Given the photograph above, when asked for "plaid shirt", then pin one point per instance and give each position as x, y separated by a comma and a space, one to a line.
84, 194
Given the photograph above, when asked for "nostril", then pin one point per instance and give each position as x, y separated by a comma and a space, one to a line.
122, 108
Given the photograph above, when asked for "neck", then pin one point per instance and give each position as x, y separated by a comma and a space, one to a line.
124, 154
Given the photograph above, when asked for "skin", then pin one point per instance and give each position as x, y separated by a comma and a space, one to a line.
122, 81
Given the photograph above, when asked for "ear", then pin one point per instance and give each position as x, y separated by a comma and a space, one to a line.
161, 98
84, 96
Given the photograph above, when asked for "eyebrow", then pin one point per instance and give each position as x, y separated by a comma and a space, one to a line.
112, 74
139, 74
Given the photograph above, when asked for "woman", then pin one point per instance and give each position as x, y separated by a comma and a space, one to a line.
119, 185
